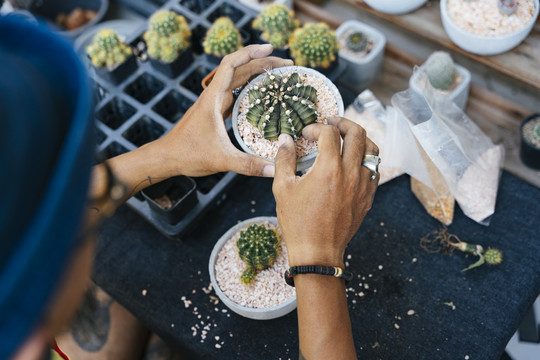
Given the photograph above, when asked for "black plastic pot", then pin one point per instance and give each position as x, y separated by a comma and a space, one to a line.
529, 153
118, 73
181, 192
330, 72
176, 67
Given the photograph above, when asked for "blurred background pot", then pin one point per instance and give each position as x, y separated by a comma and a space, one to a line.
530, 141
395, 6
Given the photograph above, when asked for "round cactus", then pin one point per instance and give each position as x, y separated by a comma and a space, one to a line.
168, 35
507, 7
276, 22
314, 45
356, 41
107, 50
258, 247
440, 70
493, 256
281, 105
222, 38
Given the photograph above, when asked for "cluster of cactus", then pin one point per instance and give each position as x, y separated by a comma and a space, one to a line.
107, 50
281, 105
276, 22
507, 7
440, 70
168, 35
258, 247
314, 45
356, 41
222, 38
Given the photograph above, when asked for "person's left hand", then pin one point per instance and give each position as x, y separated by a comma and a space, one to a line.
199, 145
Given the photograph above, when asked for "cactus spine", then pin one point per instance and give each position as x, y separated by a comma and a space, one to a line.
507, 7
222, 38
281, 105
357, 41
314, 45
276, 22
440, 70
168, 35
258, 247
107, 50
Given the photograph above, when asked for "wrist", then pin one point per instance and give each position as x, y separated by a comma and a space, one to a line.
310, 256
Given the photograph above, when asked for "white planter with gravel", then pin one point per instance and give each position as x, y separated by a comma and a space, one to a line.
269, 286
361, 71
485, 44
329, 103
459, 95
258, 6
395, 6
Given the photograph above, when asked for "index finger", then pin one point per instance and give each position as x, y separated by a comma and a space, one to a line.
225, 71
244, 73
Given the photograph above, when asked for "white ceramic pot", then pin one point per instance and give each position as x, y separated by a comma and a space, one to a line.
360, 72
252, 313
255, 5
459, 95
308, 160
485, 45
395, 6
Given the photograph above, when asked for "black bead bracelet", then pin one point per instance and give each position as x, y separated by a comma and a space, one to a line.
316, 269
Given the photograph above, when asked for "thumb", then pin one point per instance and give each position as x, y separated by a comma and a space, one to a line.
251, 165
286, 157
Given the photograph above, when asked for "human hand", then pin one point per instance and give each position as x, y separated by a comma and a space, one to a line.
199, 145
319, 212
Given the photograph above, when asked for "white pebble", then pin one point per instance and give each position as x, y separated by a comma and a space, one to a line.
144, 292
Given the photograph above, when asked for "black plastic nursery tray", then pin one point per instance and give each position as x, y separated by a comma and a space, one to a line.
147, 104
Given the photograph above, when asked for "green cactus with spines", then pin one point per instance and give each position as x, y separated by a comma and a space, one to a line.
314, 45
281, 104
507, 7
440, 70
106, 50
222, 38
168, 35
276, 22
356, 41
258, 247
493, 256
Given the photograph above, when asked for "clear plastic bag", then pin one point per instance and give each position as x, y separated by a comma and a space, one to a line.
467, 158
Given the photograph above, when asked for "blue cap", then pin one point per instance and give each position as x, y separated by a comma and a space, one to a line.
46, 153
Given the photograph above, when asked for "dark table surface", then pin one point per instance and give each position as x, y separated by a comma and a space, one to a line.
488, 302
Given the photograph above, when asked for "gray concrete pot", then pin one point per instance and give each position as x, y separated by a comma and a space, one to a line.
252, 313
360, 72
306, 161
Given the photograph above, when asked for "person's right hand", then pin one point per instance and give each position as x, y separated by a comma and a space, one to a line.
319, 212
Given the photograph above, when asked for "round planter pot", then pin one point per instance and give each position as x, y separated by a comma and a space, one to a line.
252, 313
255, 5
308, 160
459, 95
485, 45
529, 152
395, 6
360, 72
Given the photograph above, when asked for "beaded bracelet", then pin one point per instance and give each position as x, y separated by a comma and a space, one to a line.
316, 269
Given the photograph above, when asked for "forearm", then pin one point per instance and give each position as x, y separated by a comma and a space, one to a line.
323, 318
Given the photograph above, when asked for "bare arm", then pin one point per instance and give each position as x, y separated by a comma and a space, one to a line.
335, 195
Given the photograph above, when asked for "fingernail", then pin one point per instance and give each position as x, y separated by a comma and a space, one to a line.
269, 171
282, 139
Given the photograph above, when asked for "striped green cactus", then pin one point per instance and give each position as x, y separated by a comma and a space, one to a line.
281, 105
258, 247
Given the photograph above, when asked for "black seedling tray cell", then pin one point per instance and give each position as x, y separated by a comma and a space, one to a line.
148, 103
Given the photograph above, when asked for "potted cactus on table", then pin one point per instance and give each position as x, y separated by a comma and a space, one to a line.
168, 42
112, 59
316, 46
221, 39
246, 270
446, 77
277, 23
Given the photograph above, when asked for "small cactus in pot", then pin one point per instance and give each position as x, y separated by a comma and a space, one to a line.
258, 246
276, 22
507, 7
168, 36
356, 41
440, 70
282, 105
222, 38
314, 45
107, 50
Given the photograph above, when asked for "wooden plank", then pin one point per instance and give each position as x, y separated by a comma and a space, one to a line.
521, 64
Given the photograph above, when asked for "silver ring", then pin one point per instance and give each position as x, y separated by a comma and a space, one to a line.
372, 163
